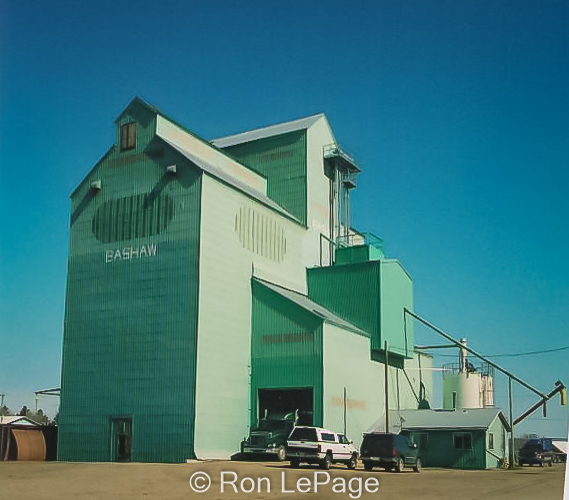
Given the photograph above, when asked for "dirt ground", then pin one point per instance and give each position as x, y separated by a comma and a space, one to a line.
71, 481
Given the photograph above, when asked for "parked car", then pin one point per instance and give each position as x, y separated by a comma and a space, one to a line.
390, 451
324, 447
536, 452
269, 437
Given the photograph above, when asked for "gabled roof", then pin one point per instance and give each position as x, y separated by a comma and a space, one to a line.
312, 307
270, 131
142, 102
202, 163
17, 420
472, 418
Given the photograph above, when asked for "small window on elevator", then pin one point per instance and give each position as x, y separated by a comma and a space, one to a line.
128, 136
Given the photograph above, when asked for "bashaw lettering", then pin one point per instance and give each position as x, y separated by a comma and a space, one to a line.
129, 253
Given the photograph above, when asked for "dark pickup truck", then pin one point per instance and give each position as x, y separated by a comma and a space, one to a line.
536, 452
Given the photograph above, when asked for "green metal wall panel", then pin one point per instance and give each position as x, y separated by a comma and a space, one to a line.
350, 291
440, 451
396, 294
371, 295
500, 444
286, 348
282, 159
394, 360
352, 255
130, 321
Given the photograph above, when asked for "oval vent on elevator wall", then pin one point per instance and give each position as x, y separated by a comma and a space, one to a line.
260, 233
132, 217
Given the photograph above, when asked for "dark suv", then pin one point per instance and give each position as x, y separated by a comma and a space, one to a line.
391, 451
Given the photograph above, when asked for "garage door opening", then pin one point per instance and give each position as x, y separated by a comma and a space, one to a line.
279, 402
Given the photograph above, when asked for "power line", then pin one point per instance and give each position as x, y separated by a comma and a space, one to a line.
512, 355
546, 419
531, 352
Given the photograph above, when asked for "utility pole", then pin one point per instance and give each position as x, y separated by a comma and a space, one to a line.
386, 388
511, 398
345, 406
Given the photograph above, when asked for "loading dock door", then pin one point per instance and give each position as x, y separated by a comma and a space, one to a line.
283, 401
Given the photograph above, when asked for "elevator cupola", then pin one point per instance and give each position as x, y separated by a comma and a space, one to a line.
342, 170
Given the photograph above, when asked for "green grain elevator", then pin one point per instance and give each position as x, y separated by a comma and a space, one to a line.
210, 283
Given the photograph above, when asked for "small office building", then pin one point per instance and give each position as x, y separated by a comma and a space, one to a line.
474, 438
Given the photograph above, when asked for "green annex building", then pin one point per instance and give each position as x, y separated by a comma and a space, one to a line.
211, 283
473, 438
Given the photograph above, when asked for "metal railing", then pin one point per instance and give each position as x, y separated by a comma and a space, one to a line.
357, 238
483, 369
334, 150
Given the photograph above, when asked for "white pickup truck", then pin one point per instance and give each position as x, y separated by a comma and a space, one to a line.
315, 445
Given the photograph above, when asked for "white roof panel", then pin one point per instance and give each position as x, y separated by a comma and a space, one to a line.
561, 446
310, 306
17, 420
198, 148
270, 131
221, 175
472, 418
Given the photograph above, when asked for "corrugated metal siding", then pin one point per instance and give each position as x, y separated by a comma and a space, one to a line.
352, 255
130, 324
319, 135
207, 157
500, 443
145, 126
224, 345
396, 293
350, 291
440, 451
286, 348
371, 295
282, 159
347, 364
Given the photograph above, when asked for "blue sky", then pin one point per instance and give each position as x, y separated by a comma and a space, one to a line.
456, 111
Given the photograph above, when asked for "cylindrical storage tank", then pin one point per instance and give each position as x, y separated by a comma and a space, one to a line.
461, 390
